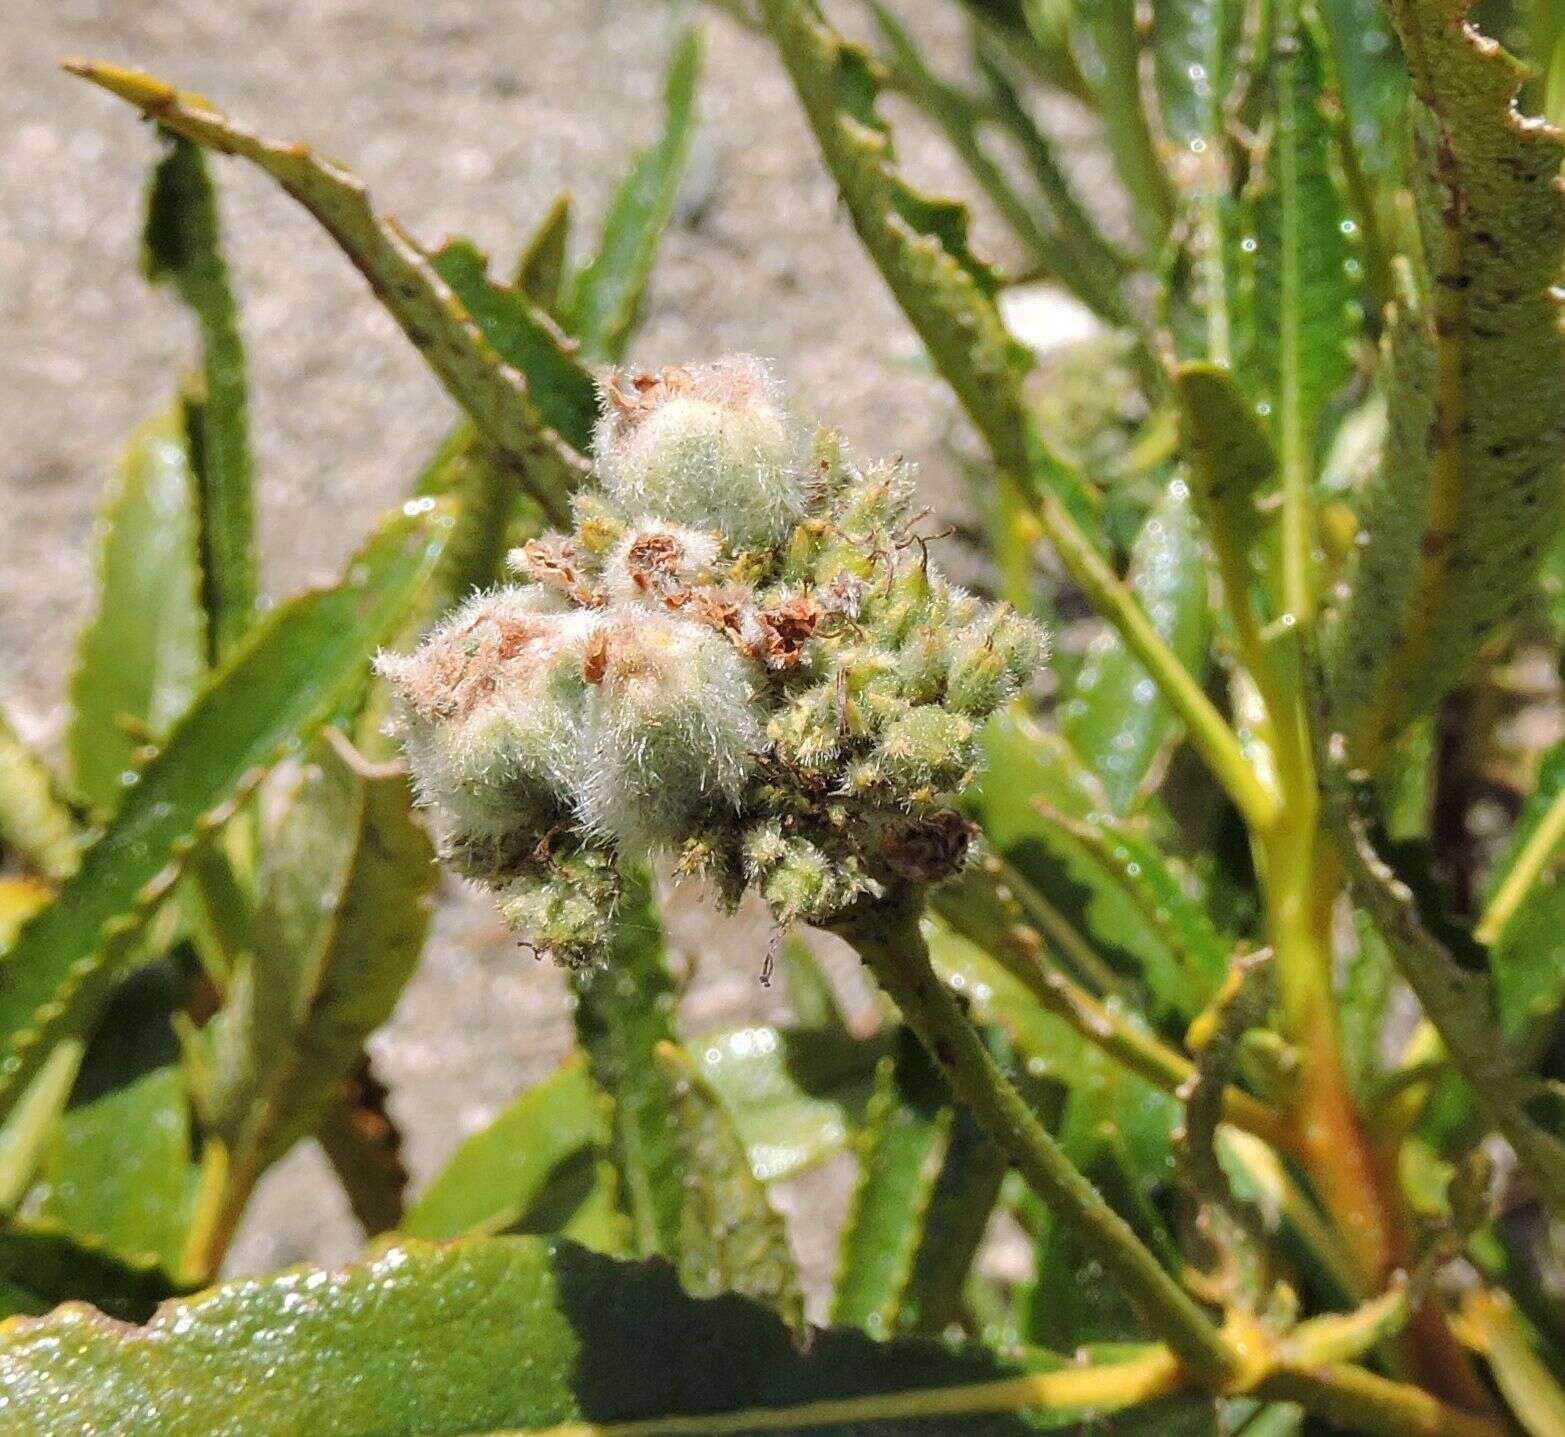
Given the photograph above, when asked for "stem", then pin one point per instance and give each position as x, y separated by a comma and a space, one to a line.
1136, 1050
1357, 1400
888, 938
212, 1221
1523, 873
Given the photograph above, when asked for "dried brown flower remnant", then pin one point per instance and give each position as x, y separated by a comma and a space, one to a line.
787, 628
555, 561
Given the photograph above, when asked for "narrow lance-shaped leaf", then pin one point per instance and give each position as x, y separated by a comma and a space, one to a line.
685, 1180
497, 1173
181, 248
344, 904
956, 1221
1195, 48
141, 656
1231, 463
1304, 288
1469, 496
292, 673
534, 1337
1115, 718
540, 269
1049, 244
497, 397
526, 338
119, 1172
899, 1151
607, 291
731, 1239
35, 820
1112, 65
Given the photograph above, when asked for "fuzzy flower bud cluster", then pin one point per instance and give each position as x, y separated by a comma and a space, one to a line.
741, 657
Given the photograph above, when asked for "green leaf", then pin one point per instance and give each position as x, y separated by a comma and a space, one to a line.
1369, 68
1162, 896
181, 249
495, 395
41, 1267
297, 666
1094, 265
119, 1174
1032, 776
141, 656
1305, 295
526, 338
606, 294
1527, 894
35, 820
498, 1173
345, 890
730, 1238
685, 1181
919, 243
1231, 461
900, 1149
1195, 45
955, 1223
533, 1336
1050, 243
1111, 61
1469, 495
795, 1095
540, 269
1116, 718
27, 1132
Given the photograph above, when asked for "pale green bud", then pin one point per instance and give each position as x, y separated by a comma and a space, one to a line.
929, 748
712, 447
491, 704
671, 728
564, 904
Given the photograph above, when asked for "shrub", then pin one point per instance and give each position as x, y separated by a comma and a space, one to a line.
1224, 944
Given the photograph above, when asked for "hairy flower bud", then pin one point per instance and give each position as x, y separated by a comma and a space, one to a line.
564, 903
671, 727
930, 748
710, 446
659, 564
491, 703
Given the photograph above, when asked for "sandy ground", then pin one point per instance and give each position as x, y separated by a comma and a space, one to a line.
464, 118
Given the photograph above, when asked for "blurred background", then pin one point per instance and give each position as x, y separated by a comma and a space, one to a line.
463, 118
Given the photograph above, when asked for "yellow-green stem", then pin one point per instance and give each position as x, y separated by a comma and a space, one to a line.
888, 938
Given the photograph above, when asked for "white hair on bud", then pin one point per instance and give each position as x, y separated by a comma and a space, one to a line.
657, 563
491, 702
671, 727
711, 446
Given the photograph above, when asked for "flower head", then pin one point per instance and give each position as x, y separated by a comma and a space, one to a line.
742, 656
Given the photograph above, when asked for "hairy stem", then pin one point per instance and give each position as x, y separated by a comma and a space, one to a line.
888, 938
